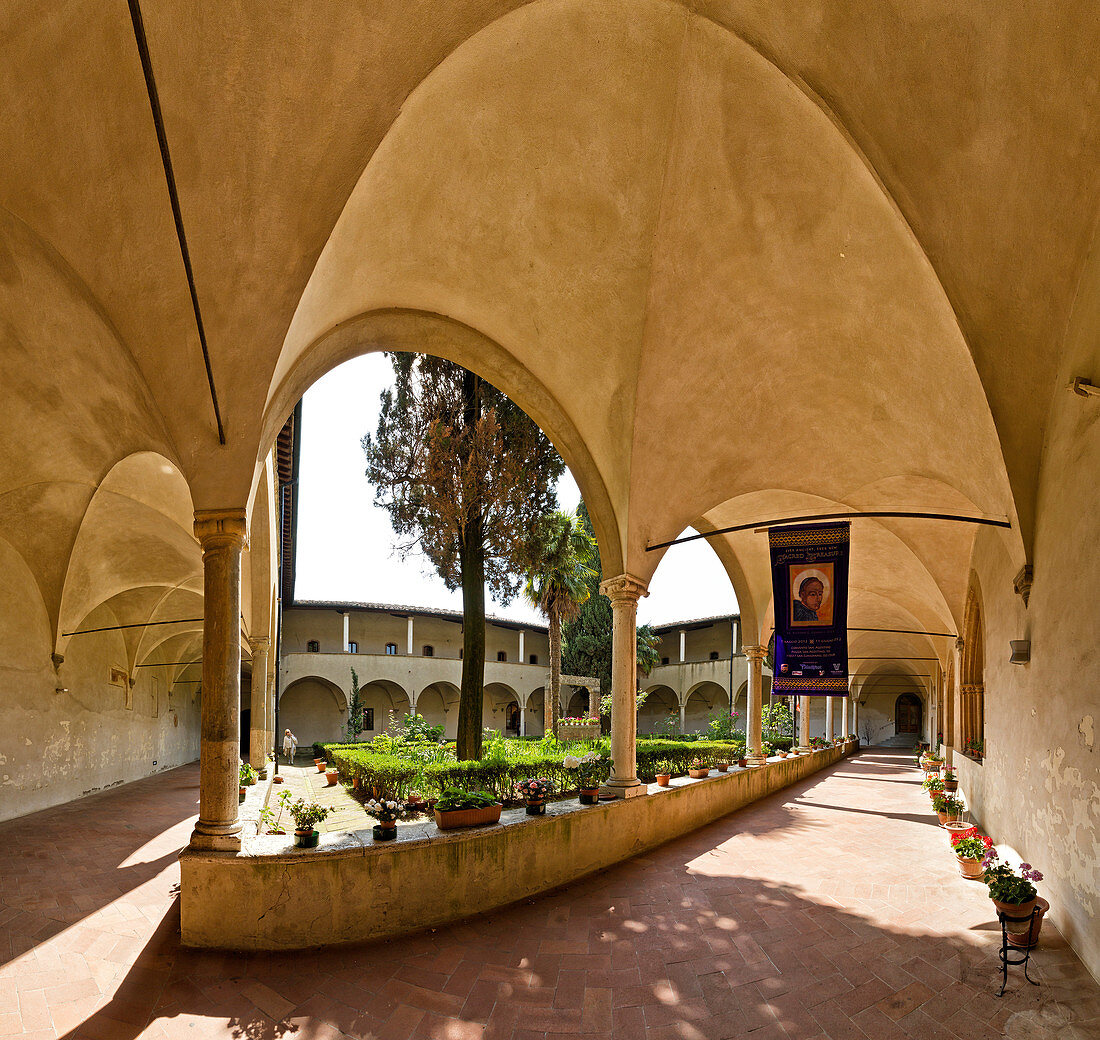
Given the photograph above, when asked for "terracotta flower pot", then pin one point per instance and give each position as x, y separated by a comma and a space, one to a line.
1031, 936
942, 816
955, 828
446, 821
970, 868
741, 762
663, 779
535, 806
1017, 910
698, 774
951, 785
331, 776
321, 766
277, 779
722, 766
589, 795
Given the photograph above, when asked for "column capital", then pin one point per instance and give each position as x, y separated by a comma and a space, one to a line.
755, 653
624, 588
260, 645
959, 644
217, 527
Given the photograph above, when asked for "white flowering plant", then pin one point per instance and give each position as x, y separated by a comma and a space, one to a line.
385, 810
592, 769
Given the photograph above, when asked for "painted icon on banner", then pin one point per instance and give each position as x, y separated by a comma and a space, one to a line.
810, 589
811, 594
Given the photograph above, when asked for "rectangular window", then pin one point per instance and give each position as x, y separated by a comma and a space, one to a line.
502, 655
534, 659
664, 660
368, 718
391, 648
313, 646
427, 651
353, 648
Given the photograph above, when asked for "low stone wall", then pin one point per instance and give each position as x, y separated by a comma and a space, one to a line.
352, 889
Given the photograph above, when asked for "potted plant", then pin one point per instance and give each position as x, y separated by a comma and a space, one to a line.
247, 779
306, 816
1013, 895
954, 807
697, 769
970, 848
722, 767
534, 791
742, 761
766, 750
386, 811
321, 765
664, 772
458, 808
950, 781
975, 748
592, 769
932, 784
331, 776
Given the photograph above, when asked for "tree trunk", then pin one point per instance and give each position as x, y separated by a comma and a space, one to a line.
472, 561
552, 706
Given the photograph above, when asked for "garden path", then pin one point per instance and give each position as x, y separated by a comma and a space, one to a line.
830, 910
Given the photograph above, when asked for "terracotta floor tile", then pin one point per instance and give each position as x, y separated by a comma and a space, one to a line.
757, 926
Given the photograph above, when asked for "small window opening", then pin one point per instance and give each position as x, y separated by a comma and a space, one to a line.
313, 646
427, 651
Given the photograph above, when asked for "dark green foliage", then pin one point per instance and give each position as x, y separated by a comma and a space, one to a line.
456, 798
674, 756
464, 475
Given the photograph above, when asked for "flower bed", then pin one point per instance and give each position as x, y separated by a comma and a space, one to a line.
431, 768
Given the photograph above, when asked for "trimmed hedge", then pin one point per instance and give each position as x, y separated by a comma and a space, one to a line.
418, 767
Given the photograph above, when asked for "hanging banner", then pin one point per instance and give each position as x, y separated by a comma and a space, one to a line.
810, 586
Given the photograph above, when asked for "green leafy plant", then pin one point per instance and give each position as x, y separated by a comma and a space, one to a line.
722, 725
534, 789
1005, 885
766, 749
971, 844
954, 806
248, 775
308, 814
932, 783
455, 798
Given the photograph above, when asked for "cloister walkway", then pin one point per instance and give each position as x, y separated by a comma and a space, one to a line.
832, 909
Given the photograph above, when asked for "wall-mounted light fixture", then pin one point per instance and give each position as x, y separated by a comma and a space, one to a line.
1021, 651
61, 689
1083, 388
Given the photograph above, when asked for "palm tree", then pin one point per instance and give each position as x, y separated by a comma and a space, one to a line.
558, 574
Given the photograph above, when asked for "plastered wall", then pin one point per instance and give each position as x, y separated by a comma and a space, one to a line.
55, 747
1038, 789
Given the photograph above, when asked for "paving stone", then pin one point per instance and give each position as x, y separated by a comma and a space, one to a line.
764, 925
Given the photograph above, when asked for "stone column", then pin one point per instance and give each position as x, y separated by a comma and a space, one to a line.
855, 712
258, 745
522, 658
844, 720
754, 705
624, 591
522, 714
410, 642
683, 718
804, 724
221, 533
828, 718
957, 727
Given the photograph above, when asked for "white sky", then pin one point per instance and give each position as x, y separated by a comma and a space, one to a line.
345, 542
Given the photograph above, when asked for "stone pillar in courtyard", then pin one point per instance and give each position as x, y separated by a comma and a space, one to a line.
683, 718
624, 591
845, 721
221, 533
829, 718
258, 740
803, 724
754, 706
855, 712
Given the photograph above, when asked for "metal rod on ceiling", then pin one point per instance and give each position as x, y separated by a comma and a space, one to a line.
165, 664
898, 631
143, 624
755, 525
893, 658
173, 196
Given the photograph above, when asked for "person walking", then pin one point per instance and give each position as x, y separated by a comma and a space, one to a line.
290, 746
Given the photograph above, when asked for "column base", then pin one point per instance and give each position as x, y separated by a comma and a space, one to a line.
755, 761
217, 837
803, 750
623, 789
